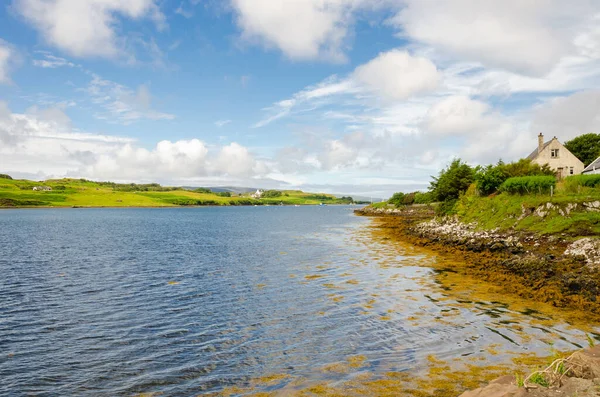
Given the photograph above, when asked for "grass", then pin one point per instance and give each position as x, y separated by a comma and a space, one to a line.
505, 211
83, 193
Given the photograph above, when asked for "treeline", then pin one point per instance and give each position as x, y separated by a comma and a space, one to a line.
519, 177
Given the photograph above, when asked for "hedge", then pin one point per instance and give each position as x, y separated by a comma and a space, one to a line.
528, 185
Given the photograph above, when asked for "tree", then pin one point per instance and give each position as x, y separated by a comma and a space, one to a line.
452, 181
489, 178
5, 176
397, 199
585, 147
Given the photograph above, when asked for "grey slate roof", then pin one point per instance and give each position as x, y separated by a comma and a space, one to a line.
595, 165
534, 154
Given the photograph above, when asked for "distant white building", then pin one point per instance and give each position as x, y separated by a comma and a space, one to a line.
42, 188
593, 168
258, 194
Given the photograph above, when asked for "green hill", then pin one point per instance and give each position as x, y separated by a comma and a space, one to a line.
84, 193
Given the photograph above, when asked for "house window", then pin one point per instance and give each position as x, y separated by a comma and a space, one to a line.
571, 171
554, 153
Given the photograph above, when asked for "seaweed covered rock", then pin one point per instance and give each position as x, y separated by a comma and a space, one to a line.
587, 248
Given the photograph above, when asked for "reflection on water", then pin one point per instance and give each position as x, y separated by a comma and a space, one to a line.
233, 300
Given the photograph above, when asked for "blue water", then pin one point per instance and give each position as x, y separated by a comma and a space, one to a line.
191, 300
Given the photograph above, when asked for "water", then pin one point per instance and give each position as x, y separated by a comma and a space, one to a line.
189, 301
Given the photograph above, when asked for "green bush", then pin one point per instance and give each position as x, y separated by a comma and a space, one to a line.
202, 190
271, 194
447, 207
224, 194
423, 198
452, 181
397, 199
5, 176
529, 185
584, 180
490, 178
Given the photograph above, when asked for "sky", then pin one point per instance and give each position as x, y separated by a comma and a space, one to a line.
364, 97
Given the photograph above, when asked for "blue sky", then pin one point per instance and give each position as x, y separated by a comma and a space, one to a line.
346, 96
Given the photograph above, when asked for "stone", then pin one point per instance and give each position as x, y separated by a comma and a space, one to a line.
588, 248
586, 363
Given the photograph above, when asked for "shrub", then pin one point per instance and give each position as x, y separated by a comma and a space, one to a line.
409, 199
224, 194
447, 207
423, 198
490, 178
397, 199
452, 181
202, 190
5, 176
584, 180
528, 185
271, 194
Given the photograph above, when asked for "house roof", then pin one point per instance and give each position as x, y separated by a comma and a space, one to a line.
534, 154
595, 164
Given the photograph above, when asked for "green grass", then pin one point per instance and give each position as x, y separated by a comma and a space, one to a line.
82, 193
505, 211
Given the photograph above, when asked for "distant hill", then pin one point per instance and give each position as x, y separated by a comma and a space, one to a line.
219, 189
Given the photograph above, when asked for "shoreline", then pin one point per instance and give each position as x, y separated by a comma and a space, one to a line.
521, 264
530, 266
78, 207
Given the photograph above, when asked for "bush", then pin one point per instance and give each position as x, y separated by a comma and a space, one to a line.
490, 178
224, 194
528, 185
423, 198
5, 176
397, 199
202, 190
584, 180
452, 181
409, 199
271, 194
447, 207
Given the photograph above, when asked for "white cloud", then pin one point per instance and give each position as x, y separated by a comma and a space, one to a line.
6, 54
527, 37
85, 28
568, 117
42, 142
52, 61
122, 104
392, 76
457, 115
302, 29
221, 123
398, 75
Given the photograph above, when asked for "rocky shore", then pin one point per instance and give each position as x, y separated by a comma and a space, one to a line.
577, 375
556, 269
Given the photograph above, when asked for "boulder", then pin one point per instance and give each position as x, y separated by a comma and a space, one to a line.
586, 364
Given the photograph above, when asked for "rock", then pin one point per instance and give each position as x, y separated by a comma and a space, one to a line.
586, 363
588, 248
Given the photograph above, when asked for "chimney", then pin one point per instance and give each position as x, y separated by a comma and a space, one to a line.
540, 142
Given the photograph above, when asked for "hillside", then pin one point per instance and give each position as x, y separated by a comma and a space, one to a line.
84, 193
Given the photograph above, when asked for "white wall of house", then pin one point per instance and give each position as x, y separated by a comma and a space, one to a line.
559, 159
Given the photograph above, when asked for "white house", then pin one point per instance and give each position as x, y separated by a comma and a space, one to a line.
558, 157
257, 195
593, 168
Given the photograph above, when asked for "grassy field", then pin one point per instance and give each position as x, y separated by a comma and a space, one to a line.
506, 211
83, 193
